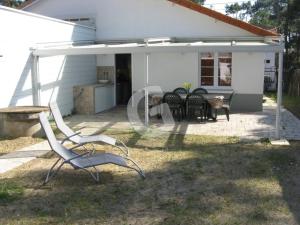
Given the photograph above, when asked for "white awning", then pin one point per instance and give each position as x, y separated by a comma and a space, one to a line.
166, 47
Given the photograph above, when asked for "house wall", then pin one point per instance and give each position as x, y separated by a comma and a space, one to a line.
21, 31
131, 19
170, 70
247, 81
167, 70
60, 74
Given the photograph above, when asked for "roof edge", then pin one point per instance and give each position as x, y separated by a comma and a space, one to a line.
44, 17
224, 18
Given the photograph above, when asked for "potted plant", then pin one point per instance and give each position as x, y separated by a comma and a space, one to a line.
187, 86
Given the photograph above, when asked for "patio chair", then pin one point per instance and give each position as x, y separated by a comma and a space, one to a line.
82, 140
200, 91
180, 91
81, 161
196, 102
175, 103
227, 104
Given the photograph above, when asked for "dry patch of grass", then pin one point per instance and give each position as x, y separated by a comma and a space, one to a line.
190, 180
11, 144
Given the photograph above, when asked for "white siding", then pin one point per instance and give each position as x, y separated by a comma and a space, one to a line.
167, 70
60, 74
248, 72
120, 19
20, 32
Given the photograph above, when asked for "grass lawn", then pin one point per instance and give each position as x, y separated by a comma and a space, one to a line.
289, 102
190, 180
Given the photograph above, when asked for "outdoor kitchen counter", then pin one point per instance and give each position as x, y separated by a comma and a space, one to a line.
95, 85
93, 98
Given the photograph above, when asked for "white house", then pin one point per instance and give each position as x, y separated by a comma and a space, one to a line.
225, 41
141, 43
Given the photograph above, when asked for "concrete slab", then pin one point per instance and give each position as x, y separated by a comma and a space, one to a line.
15, 159
281, 142
246, 126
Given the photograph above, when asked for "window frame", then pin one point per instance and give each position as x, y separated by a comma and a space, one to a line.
200, 70
216, 72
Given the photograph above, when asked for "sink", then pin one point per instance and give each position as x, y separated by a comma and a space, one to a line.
103, 81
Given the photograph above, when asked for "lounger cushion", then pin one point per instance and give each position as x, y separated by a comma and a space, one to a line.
98, 159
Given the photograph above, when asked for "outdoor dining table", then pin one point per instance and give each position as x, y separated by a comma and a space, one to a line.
214, 100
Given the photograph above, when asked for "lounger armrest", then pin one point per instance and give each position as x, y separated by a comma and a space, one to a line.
68, 138
76, 157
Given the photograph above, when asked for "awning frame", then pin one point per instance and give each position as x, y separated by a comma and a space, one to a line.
268, 45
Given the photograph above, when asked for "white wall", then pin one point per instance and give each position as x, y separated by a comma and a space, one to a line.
167, 70
248, 73
60, 74
105, 60
119, 19
171, 70
270, 56
19, 32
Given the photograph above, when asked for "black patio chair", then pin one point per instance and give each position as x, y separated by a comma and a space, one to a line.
180, 91
175, 103
196, 103
200, 91
227, 104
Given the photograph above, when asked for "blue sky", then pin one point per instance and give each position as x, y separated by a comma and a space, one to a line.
219, 5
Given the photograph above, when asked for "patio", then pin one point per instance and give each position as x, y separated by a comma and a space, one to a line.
246, 126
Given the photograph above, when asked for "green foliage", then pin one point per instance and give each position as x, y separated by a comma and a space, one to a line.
11, 3
187, 85
241, 11
281, 15
199, 1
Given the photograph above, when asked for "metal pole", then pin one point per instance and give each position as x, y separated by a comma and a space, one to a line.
279, 94
146, 92
35, 81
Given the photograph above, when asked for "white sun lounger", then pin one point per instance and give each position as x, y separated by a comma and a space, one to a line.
82, 161
82, 140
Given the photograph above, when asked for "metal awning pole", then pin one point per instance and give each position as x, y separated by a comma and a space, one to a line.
35, 81
146, 92
279, 94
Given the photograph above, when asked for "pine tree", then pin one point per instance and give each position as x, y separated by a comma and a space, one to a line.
199, 1
11, 3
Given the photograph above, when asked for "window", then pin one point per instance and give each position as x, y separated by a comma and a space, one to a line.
225, 69
267, 61
216, 69
207, 69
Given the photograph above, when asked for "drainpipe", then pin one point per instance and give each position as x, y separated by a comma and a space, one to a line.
35, 81
279, 92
